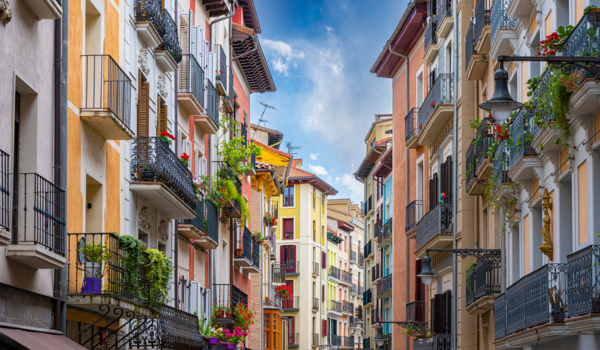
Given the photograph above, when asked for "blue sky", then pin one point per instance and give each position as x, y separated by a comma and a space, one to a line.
320, 53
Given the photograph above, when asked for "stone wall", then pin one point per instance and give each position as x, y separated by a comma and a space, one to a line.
23, 308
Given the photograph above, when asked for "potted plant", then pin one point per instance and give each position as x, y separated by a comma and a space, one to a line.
94, 256
185, 159
557, 305
219, 311
166, 137
284, 292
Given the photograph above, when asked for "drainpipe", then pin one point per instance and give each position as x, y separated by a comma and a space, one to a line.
455, 176
215, 22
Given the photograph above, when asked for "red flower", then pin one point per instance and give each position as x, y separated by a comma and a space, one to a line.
432, 104
166, 134
185, 156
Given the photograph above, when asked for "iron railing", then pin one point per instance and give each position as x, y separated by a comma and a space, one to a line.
583, 274
375, 316
293, 303
98, 264
353, 288
500, 317
212, 221
272, 299
255, 253
442, 92
368, 249
293, 338
387, 229
415, 311
414, 213
469, 44
153, 161
106, 87
316, 339
291, 266
583, 41
316, 268
222, 68
410, 124
429, 35
230, 87
39, 203
170, 40
367, 297
521, 137
375, 273
4, 190
353, 255
470, 164
479, 148
199, 221
225, 298
361, 259
345, 276
348, 342
367, 343
500, 19
212, 102
437, 221
482, 18
334, 272
149, 11
545, 302
487, 280
441, 341
361, 289
444, 9
369, 204
384, 285
244, 245
543, 97
334, 339
422, 344
315, 304
348, 307
278, 273
358, 312
191, 78
500, 173
470, 282
335, 306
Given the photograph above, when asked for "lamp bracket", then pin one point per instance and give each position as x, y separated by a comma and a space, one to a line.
419, 327
566, 64
490, 257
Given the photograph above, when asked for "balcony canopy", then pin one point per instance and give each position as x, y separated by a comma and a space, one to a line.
252, 60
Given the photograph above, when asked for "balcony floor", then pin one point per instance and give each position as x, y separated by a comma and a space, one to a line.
162, 198
189, 231
205, 242
481, 305
533, 336
35, 255
150, 36
205, 124
93, 302
190, 103
440, 117
106, 124
438, 241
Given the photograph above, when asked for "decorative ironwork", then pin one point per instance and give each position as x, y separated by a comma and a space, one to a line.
482, 18
415, 311
422, 344
345, 277
544, 96
470, 282
442, 92
225, 299
353, 256
348, 342
199, 220
442, 342
489, 257
39, 202
230, 87
178, 329
359, 312
469, 45
334, 272
335, 306
222, 69
583, 278
212, 221
500, 174
429, 36
170, 40
256, 253
387, 229
419, 327
153, 161
149, 11
191, 79
410, 123
243, 246
367, 297
4, 191
437, 221
444, 9
347, 307
414, 213
521, 137
499, 317
470, 164
482, 280
212, 102
384, 285
584, 40
500, 19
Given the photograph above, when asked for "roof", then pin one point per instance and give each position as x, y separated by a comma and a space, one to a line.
371, 158
271, 149
384, 166
275, 136
338, 200
405, 36
251, 58
296, 162
250, 16
216, 8
304, 176
262, 165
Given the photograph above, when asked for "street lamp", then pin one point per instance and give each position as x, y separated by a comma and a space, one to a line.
501, 104
489, 257
379, 338
427, 275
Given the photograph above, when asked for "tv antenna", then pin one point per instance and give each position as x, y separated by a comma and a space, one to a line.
291, 148
261, 120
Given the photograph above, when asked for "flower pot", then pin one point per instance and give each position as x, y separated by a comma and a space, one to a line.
558, 316
219, 314
92, 269
227, 346
596, 306
274, 228
239, 252
214, 341
228, 314
91, 285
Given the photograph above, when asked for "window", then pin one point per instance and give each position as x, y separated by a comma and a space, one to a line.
314, 201
288, 229
314, 231
288, 196
322, 204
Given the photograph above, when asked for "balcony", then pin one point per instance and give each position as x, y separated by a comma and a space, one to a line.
191, 85
221, 77
228, 99
99, 273
316, 269
412, 129
375, 317
361, 259
345, 277
159, 177
414, 213
386, 233
540, 316
255, 255
353, 256
367, 297
479, 164
334, 339
353, 289
523, 161
430, 43
375, 273
225, 299
368, 250
173, 328
347, 308
348, 342
278, 273
445, 19
37, 221
291, 304
500, 174
435, 229
483, 283
148, 21
293, 339
437, 109
369, 205
481, 29
335, 307
502, 30
415, 311
44, 9
358, 316
168, 54
475, 64
194, 228
209, 122
316, 340
361, 290
334, 274
243, 249
384, 287
232, 209
315, 304
4, 199
292, 267
210, 239
422, 344
106, 105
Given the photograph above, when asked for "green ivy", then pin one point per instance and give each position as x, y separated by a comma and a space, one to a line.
158, 277
132, 256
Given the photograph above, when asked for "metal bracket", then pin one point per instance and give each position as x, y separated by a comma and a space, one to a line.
419, 327
490, 257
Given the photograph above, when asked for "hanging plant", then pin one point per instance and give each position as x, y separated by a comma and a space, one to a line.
185, 159
270, 220
243, 316
284, 292
132, 256
157, 277
166, 137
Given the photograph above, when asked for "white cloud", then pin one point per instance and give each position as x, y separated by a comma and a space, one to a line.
285, 55
354, 187
314, 156
317, 169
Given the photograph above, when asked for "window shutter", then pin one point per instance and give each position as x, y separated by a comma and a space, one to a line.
195, 299
323, 294
203, 164
324, 260
447, 318
449, 178
324, 330
207, 304
418, 284
143, 109
162, 119
436, 193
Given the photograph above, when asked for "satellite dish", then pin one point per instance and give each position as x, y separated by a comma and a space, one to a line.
81, 251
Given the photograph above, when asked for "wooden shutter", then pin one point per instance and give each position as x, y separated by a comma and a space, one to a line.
324, 330
324, 260
195, 298
418, 284
162, 119
448, 179
282, 252
323, 294
447, 312
431, 201
143, 110
437, 313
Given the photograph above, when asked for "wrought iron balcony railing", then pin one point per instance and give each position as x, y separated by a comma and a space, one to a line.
293, 338
361, 259
170, 40
415, 311
469, 44
583, 41
358, 312
243, 246
437, 221
414, 213
387, 230
346, 276
442, 92
348, 342
444, 9
293, 303
484, 139
230, 86
367, 297
38, 212
98, 265
422, 344
368, 250
153, 161
4, 191
384, 285
500, 316
369, 205
348, 307
470, 164
544, 95
500, 19
316, 268
292, 266
212, 221
174, 329
410, 124
222, 68
375, 273
482, 18
191, 78
583, 274
200, 222
255, 253
481, 281
335, 306
106, 87
470, 290
353, 288
429, 35
278, 273
546, 301
225, 298
334, 272
334, 339
375, 316
361, 289
212, 102
353, 255
521, 134
149, 11
315, 305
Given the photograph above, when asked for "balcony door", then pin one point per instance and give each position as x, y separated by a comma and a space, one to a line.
288, 256
16, 168
289, 304
291, 330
